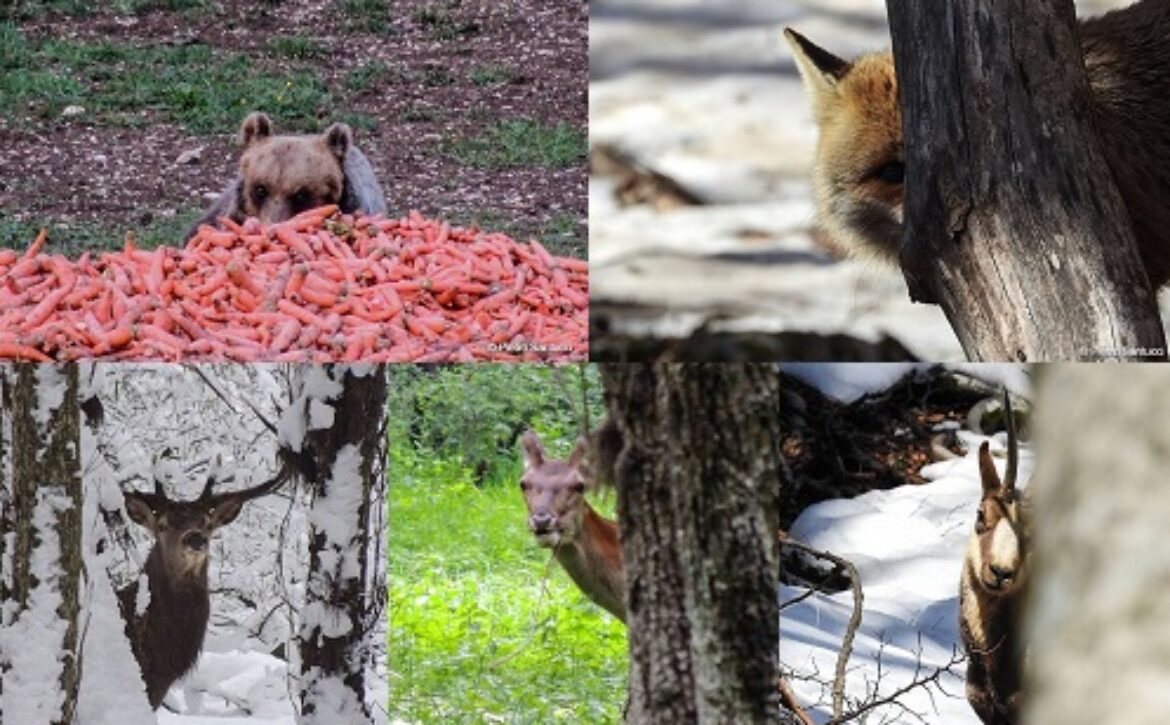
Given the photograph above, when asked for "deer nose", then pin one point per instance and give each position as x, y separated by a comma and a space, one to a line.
195, 541
541, 521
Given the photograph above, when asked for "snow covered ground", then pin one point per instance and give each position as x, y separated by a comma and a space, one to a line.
706, 92
908, 545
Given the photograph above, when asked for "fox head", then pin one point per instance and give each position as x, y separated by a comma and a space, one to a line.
858, 172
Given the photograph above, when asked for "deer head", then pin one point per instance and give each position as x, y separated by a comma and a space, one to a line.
999, 545
554, 491
167, 636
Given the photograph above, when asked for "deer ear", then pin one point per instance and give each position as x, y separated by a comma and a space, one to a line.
226, 511
820, 69
577, 457
991, 482
533, 450
139, 511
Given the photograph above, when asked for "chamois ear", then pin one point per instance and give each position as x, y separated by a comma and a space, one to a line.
139, 510
820, 69
991, 482
533, 450
256, 127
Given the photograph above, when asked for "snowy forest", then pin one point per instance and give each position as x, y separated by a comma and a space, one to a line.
193, 544
615, 543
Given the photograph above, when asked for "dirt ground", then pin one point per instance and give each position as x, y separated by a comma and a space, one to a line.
414, 80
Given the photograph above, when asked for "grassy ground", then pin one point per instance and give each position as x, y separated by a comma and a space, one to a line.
478, 631
98, 100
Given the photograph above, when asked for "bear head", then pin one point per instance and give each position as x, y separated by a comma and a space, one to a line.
281, 176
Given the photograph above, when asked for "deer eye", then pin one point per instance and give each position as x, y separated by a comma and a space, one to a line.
893, 172
524, 485
579, 487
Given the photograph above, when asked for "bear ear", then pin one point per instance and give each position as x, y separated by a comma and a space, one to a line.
256, 126
338, 139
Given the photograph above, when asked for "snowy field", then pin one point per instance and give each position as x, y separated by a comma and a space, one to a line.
908, 545
706, 93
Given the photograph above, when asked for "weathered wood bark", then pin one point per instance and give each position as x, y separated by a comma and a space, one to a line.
44, 517
698, 499
342, 461
1013, 223
1099, 603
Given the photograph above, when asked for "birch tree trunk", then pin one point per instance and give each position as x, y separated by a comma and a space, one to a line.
1013, 223
1101, 598
698, 499
39, 666
345, 411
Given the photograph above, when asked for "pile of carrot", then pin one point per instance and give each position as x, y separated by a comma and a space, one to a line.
323, 286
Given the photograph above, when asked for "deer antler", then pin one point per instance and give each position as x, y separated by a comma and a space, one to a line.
246, 494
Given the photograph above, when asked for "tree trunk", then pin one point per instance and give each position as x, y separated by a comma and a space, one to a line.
698, 499
1013, 222
345, 454
1099, 607
39, 634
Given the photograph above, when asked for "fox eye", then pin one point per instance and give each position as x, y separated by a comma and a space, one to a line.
893, 172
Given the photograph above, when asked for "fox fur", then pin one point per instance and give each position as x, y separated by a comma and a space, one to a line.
859, 169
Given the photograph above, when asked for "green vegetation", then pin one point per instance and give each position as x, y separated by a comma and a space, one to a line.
481, 628
365, 16
444, 21
299, 47
71, 239
492, 75
204, 89
522, 142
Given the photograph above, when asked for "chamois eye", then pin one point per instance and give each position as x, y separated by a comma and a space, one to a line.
893, 172
980, 521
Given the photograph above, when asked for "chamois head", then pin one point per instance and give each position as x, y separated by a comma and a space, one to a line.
553, 491
998, 551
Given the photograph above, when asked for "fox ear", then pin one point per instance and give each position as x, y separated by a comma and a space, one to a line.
820, 69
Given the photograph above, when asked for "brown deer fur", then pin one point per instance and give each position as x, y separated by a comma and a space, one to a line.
992, 588
585, 543
858, 172
167, 636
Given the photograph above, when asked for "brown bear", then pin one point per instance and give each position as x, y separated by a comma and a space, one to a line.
281, 176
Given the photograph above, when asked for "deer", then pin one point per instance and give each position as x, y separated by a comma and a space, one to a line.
583, 541
993, 586
167, 636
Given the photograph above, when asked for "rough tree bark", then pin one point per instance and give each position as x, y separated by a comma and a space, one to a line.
1013, 223
698, 499
1099, 604
344, 452
41, 595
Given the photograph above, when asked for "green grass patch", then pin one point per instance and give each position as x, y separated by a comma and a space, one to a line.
564, 235
365, 16
492, 75
299, 47
36, 9
477, 633
73, 238
199, 87
372, 76
522, 142
445, 21
142, 7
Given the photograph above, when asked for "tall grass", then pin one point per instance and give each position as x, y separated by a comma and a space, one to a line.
482, 629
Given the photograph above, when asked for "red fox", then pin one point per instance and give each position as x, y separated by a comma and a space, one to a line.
858, 173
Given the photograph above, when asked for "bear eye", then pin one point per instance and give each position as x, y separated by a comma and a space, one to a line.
301, 198
259, 193
893, 172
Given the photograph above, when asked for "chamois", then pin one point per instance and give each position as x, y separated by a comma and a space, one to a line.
992, 587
